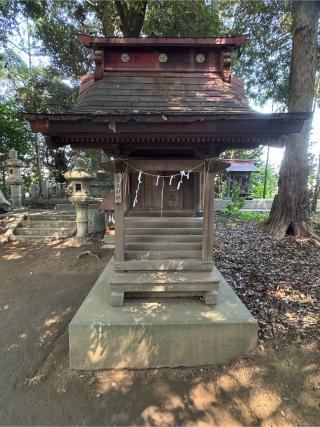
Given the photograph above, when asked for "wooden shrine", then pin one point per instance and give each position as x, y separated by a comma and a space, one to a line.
239, 172
163, 109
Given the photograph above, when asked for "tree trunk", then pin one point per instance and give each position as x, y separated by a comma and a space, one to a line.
131, 15
38, 163
290, 209
316, 189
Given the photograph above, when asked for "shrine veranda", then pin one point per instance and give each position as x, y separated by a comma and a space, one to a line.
162, 110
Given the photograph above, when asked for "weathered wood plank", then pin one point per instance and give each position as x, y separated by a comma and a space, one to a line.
208, 196
119, 212
168, 165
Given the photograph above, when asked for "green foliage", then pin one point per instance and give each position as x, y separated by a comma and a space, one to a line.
44, 91
237, 201
268, 50
183, 18
14, 132
257, 180
235, 212
57, 22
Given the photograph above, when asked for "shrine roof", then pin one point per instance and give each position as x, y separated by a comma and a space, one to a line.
92, 42
241, 165
164, 91
135, 92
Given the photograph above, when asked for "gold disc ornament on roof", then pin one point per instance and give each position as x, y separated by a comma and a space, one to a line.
200, 58
125, 57
163, 57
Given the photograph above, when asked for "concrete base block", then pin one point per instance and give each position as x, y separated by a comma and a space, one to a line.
159, 332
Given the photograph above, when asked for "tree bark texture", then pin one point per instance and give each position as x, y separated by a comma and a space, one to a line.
290, 209
316, 189
131, 16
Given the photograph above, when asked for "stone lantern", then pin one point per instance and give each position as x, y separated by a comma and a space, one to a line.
15, 180
79, 180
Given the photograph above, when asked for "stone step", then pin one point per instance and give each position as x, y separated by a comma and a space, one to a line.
163, 246
145, 213
146, 255
158, 238
52, 217
65, 206
55, 232
164, 219
48, 224
164, 265
163, 281
163, 223
163, 231
36, 239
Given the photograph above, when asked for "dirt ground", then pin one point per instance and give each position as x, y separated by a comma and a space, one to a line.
42, 286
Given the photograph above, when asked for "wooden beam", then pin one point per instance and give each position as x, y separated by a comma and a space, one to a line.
161, 165
119, 212
208, 202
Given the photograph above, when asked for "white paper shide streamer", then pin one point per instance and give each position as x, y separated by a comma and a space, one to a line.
181, 174
137, 190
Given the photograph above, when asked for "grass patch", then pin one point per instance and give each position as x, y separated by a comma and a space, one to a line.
234, 212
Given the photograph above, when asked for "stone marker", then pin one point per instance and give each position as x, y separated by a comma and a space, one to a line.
15, 180
35, 191
79, 180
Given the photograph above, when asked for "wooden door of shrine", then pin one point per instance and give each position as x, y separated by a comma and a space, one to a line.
154, 196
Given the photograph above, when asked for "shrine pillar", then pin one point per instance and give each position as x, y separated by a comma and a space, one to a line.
15, 180
120, 180
209, 172
198, 190
208, 202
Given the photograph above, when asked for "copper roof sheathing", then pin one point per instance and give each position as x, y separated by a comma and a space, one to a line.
134, 92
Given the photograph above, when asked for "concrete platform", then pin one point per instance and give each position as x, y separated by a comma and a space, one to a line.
159, 332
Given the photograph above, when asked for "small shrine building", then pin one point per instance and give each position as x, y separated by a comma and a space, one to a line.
162, 110
239, 172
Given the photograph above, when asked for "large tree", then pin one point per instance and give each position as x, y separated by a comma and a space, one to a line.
57, 23
290, 209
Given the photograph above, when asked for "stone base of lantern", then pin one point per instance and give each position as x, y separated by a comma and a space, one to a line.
159, 332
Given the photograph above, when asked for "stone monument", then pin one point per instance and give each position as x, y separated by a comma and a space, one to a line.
79, 180
15, 180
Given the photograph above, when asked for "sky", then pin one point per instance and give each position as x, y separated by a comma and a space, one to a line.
276, 154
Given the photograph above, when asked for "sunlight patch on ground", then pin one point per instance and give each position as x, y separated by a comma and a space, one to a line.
227, 383
203, 396
120, 381
53, 320
153, 415
68, 243
170, 399
246, 375
264, 403
13, 256
12, 346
